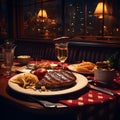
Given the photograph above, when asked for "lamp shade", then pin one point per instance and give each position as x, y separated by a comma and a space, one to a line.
99, 10
42, 13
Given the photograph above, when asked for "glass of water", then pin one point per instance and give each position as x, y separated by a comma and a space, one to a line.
8, 52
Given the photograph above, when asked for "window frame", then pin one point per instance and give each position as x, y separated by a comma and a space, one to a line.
17, 32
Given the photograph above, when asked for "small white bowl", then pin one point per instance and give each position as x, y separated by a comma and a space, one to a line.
23, 59
53, 65
104, 75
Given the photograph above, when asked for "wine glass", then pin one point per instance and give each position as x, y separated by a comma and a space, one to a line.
61, 50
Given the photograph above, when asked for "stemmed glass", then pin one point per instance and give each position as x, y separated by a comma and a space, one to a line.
61, 50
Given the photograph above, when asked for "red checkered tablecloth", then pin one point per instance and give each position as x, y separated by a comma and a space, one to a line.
93, 96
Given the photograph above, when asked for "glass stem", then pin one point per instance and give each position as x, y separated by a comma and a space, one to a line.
62, 65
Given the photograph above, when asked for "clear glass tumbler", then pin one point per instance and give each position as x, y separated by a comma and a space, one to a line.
8, 57
8, 52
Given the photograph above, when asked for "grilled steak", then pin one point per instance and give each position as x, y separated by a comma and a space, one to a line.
60, 79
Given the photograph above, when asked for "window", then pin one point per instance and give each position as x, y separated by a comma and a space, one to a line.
41, 19
75, 18
3, 20
83, 21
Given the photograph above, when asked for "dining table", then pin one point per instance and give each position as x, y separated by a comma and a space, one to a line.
84, 103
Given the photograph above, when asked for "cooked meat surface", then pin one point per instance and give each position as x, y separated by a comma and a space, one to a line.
60, 79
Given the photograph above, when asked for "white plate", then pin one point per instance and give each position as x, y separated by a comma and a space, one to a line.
81, 82
71, 68
23, 69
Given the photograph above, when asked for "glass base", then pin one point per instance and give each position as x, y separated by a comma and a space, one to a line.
8, 73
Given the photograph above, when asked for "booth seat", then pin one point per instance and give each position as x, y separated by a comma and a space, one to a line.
78, 51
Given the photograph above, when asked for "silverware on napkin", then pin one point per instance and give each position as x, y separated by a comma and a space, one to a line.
109, 92
47, 104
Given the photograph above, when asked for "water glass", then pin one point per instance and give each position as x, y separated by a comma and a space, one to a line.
8, 59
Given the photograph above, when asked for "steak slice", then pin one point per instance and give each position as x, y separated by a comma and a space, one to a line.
57, 79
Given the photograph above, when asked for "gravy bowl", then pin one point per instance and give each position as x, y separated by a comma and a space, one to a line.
104, 75
23, 59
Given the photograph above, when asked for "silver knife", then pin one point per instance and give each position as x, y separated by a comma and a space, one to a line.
48, 104
102, 90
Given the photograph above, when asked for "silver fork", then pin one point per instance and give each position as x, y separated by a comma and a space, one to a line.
47, 103
43, 102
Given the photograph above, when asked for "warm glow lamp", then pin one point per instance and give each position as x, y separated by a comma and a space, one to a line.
99, 10
42, 13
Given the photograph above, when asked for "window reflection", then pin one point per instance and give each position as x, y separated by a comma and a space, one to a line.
75, 18
44, 21
81, 20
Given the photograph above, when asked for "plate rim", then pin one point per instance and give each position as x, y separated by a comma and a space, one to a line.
81, 81
23, 69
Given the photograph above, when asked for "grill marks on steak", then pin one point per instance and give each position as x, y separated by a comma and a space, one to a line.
57, 79
55, 76
68, 75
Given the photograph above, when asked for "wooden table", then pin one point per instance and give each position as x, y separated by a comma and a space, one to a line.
15, 105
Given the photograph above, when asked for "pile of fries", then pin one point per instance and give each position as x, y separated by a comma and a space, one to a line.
26, 80
84, 66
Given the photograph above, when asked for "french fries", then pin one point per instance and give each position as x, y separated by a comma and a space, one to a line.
84, 66
26, 80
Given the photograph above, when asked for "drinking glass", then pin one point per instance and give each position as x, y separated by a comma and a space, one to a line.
8, 61
8, 52
61, 50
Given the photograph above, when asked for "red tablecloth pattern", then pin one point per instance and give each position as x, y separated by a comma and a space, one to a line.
93, 96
